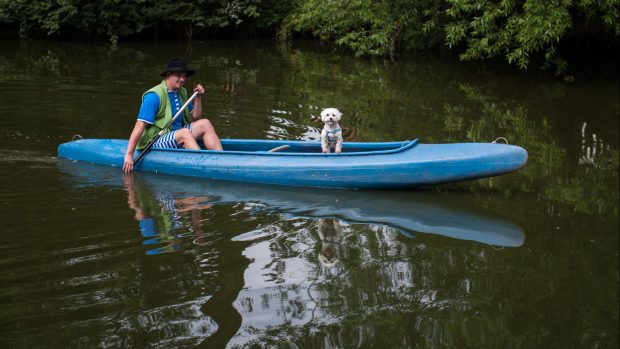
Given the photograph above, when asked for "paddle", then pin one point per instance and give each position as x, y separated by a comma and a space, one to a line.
161, 133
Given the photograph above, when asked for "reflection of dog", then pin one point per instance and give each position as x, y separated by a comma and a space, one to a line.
329, 233
331, 136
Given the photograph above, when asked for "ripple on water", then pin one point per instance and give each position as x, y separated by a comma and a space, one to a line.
57, 277
36, 268
175, 325
19, 173
19, 156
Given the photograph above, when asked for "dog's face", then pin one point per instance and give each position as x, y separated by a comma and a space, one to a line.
330, 115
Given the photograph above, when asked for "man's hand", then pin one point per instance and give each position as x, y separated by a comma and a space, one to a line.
200, 89
128, 164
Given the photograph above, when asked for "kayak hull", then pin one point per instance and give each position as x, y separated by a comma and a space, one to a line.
362, 165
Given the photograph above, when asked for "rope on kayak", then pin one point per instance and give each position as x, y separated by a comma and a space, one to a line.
501, 138
405, 143
76, 137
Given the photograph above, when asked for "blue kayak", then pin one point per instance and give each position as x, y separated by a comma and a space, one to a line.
361, 165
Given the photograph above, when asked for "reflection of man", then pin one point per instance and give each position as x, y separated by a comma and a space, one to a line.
162, 211
329, 233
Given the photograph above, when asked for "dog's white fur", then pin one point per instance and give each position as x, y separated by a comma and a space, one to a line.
330, 233
331, 136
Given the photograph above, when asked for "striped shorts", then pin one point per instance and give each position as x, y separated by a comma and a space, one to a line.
169, 139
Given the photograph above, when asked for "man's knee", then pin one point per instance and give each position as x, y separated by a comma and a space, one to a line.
203, 125
183, 134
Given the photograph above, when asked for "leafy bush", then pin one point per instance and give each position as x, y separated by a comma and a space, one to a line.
114, 19
478, 29
518, 30
515, 30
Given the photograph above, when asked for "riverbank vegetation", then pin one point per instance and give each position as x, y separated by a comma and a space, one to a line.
521, 32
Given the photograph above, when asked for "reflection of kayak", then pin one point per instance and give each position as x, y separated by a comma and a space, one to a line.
361, 165
409, 211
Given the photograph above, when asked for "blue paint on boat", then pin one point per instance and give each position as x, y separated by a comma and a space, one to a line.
409, 212
362, 165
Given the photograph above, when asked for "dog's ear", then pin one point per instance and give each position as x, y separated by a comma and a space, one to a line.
323, 114
338, 114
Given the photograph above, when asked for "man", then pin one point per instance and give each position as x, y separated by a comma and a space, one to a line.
159, 104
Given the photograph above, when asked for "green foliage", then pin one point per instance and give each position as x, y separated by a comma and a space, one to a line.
479, 29
223, 14
115, 19
518, 31
508, 28
367, 27
45, 17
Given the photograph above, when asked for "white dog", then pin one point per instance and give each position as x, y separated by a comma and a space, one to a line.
331, 136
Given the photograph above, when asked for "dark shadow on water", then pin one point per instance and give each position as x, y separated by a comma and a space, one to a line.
220, 306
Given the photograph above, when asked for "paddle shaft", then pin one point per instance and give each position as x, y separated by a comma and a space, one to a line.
161, 133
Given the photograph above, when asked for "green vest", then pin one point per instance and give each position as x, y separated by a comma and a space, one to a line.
152, 208
164, 114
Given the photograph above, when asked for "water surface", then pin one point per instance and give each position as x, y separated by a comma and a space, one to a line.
92, 258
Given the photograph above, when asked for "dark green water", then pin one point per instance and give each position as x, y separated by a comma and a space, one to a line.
92, 258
